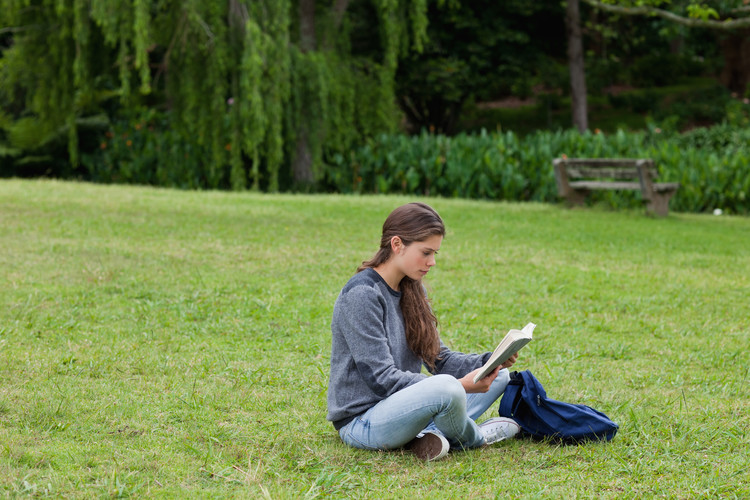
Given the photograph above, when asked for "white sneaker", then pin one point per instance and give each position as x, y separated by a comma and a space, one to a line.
429, 446
498, 429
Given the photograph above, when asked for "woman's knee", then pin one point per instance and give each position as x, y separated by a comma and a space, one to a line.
450, 387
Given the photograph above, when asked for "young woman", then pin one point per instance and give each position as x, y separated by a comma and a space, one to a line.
384, 331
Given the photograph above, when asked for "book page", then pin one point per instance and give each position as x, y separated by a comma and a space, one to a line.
513, 341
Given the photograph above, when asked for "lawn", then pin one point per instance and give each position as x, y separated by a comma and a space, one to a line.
160, 343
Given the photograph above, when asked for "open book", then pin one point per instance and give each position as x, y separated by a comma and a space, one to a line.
513, 341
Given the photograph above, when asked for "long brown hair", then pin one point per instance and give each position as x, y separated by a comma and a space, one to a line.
413, 222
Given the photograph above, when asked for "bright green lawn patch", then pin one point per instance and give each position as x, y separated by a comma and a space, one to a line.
171, 344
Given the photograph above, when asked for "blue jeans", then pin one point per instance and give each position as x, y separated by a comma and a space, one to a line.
436, 403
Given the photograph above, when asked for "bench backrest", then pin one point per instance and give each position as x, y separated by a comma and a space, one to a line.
617, 169
605, 168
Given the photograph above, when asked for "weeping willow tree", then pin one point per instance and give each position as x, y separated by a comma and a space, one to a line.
268, 87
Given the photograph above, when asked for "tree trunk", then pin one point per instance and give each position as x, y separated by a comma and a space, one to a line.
303, 160
576, 66
302, 163
307, 40
736, 51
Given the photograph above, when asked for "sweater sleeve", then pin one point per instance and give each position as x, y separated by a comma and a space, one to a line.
458, 364
365, 333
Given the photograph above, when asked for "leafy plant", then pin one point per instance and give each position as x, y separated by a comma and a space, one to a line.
145, 149
712, 166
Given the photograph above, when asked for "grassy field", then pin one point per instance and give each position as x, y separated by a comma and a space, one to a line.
158, 343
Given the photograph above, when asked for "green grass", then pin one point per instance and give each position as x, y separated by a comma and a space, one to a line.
161, 343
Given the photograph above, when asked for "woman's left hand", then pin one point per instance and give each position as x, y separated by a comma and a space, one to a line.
483, 385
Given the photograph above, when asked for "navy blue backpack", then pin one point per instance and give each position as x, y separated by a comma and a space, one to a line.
526, 402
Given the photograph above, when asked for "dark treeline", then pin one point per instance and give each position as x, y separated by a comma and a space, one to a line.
270, 94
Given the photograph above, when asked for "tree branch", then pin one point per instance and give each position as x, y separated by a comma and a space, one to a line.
17, 29
727, 24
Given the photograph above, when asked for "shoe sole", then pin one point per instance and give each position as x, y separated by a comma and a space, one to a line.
428, 447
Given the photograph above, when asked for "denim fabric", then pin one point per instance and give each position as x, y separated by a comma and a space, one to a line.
436, 403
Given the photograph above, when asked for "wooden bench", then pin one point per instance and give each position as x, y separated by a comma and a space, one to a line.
577, 177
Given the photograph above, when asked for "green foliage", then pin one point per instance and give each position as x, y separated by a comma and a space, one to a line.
660, 69
695, 108
685, 106
691, 103
228, 73
712, 167
480, 50
738, 113
36, 149
146, 149
701, 11
726, 137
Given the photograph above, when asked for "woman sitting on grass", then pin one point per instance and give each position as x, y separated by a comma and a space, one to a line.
383, 332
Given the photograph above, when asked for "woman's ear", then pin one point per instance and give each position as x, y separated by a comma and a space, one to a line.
396, 244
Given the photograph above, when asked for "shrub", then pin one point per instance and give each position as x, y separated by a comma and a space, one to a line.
713, 167
145, 149
657, 70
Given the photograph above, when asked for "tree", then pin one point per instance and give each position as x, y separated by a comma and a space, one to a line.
699, 15
576, 66
481, 50
729, 18
260, 85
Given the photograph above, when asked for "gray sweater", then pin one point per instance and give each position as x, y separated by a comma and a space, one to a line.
370, 358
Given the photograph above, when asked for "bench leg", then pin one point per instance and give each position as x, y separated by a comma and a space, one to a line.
659, 204
576, 197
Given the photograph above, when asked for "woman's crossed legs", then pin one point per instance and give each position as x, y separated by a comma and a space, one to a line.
438, 403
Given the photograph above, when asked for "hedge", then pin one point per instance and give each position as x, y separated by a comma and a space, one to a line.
712, 165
